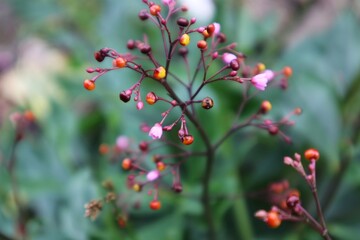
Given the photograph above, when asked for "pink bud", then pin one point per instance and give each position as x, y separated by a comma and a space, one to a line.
139, 105
228, 57
288, 161
217, 28
122, 142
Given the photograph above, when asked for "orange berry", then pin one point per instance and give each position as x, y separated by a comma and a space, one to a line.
119, 62
159, 73
103, 148
205, 33
122, 222
312, 154
202, 44
273, 219
155, 9
155, 205
260, 67
160, 166
207, 103
151, 98
126, 163
188, 139
29, 116
287, 71
184, 39
89, 85
265, 107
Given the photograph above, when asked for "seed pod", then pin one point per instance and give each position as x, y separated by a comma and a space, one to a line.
207, 103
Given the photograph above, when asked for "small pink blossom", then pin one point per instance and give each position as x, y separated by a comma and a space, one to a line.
217, 28
156, 131
260, 81
269, 74
228, 57
152, 175
139, 105
122, 143
169, 2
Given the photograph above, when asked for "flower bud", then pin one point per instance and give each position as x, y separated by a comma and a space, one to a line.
183, 51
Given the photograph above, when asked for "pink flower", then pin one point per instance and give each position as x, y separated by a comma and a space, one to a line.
152, 175
122, 143
156, 131
217, 28
269, 74
228, 57
139, 105
170, 3
260, 81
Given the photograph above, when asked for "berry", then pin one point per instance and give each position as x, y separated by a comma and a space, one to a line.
151, 98
137, 187
155, 205
103, 148
184, 39
159, 73
273, 219
188, 139
202, 44
155, 9
89, 85
234, 64
312, 154
143, 15
210, 28
182, 22
121, 222
124, 96
119, 62
265, 107
287, 71
144, 146
160, 166
99, 56
207, 103
126, 163
273, 130
260, 67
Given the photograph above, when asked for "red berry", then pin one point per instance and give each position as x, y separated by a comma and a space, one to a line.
312, 154
265, 107
89, 85
155, 205
188, 139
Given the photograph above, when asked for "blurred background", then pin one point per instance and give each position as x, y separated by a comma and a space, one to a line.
45, 47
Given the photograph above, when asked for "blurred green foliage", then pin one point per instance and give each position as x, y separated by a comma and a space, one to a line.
59, 169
